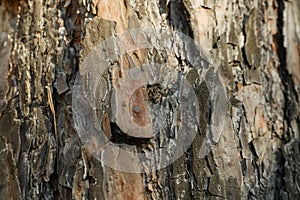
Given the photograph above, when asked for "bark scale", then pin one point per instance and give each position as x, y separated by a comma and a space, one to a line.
255, 46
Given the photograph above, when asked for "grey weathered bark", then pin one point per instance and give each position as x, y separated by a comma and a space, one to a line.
254, 44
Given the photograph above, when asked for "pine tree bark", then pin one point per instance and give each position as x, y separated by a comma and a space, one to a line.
255, 46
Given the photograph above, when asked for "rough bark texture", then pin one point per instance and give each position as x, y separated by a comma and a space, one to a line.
254, 44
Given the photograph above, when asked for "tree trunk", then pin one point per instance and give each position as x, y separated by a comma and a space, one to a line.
48, 151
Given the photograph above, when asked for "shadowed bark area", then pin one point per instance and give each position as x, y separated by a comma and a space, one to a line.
253, 44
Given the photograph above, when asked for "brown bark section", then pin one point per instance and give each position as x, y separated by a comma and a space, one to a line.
255, 46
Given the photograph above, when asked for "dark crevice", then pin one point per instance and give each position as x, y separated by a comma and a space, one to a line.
244, 166
205, 7
279, 174
253, 151
179, 18
288, 90
255, 159
171, 182
208, 165
162, 6
189, 169
290, 95
119, 137
244, 55
207, 186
